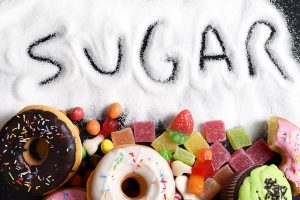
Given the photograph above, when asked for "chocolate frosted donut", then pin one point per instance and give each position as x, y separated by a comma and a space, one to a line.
40, 150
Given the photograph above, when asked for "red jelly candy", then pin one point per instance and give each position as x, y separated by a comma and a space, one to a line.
144, 131
110, 126
219, 155
203, 155
240, 161
260, 152
214, 131
204, 169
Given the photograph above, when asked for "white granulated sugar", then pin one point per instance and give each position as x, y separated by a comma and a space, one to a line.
175, 30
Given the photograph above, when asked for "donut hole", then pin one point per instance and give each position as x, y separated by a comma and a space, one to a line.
36, 151
134, 186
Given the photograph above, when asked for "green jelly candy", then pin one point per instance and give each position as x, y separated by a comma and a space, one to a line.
167, 155
178, 137
238, 137
83, 153
164, 142
184, 156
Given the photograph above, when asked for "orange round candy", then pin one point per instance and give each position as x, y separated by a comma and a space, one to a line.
114, 110
76, 181
93, 127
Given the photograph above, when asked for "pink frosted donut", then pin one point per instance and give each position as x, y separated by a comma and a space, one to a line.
68, 194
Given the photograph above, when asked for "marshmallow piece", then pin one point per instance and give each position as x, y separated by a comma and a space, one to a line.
182, 183
179, 168
91, 145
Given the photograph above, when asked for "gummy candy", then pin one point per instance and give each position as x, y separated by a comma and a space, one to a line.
184, 156
203, 155
122, 137
181, 127
109, 126
195, 143
196, 184
240, 161
204, 169
259, 152
144, 131
179, 168
238, 137
167, 155
219, 155
214, 131
164, 142
223, 175
211, 189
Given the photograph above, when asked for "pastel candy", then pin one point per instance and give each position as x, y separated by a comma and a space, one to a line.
219, 155
195, 143
179, 168
163, 142
240, 160
182, 184
260, 152
223, 175
238, 137
122, 137
214, 131
144, 131
91, 145
211, 189
184, 156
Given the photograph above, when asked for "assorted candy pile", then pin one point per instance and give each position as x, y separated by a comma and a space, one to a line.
201, 162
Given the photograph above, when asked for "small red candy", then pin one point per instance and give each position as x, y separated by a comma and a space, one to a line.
109, 126
77, 114
76, 181
204, 169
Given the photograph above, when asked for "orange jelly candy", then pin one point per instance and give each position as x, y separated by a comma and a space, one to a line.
196, 184
204, 154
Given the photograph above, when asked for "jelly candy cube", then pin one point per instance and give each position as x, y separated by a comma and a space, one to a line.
212, 188
144, 131
109, 126
184, 156
219, 155
240, 160
238, 137
195, 143
214, 131
259, 152
167, 155
203, 155
163, 142
223, 175
179, 168
124, 136
204, 169
196, 184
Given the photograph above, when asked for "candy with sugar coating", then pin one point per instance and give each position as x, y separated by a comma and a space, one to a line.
238, 137
179, 168
144, 131
214, 131
184, 156
219, 155
182, 184
164, 142
124, 136
195, 143
223, 175
260, 152
240, 161
211, 189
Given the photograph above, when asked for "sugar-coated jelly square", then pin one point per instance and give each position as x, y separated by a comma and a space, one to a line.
220, 155
195, 143
260, 152
223, 175
184, 156
211, 189
240, 160
214, 131
238, 137
124, 136
164, 142
144, 131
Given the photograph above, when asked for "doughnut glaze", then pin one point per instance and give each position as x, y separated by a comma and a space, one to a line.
143, 163
61, 161
68, 194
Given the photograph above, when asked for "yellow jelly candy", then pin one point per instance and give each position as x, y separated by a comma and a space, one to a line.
195, 143
106, 146
164, 142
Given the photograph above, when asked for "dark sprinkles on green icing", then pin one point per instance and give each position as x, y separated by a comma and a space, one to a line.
274, 190
51, 173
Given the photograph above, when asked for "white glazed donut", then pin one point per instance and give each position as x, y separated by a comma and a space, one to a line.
132, 172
